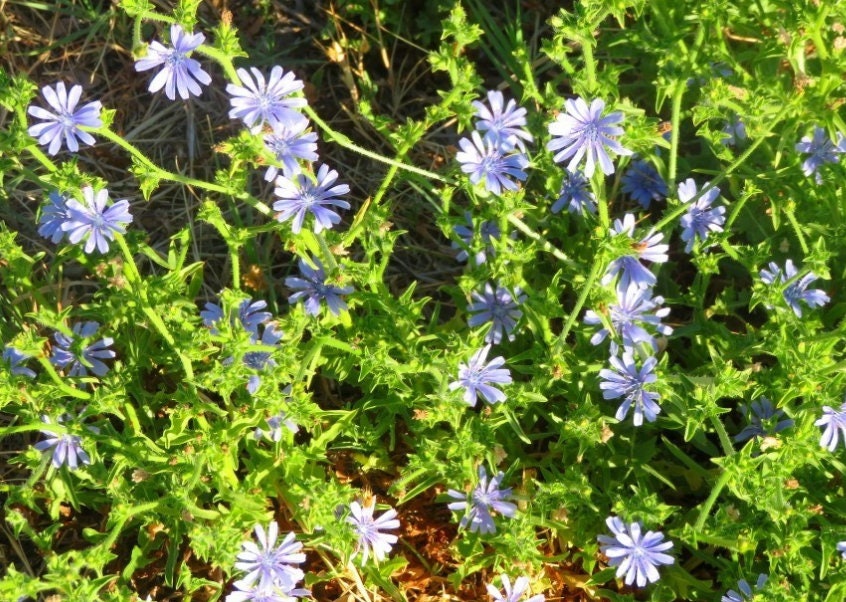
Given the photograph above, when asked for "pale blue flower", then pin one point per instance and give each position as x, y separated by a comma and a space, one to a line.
488, 232
841, 547
630, 268
834, 422
179, 73
500, 308
764, 420
625, 380
301, 194
312, 289
69, 351
797, 290
269, 564
700, 218
643, 183
503, 124
635, 307
478, 378
268, 594
575, 193
582, 133
485, 497
821, 150
486, 162
745, 592
371, 539
274, 427
67, 448
735, 131
15, 360
290, 143
250, 316
95, 223
635, 554
262, 360
53, 217
512, 594
65, 123
258, 101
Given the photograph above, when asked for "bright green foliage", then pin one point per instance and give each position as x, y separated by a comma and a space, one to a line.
179, 475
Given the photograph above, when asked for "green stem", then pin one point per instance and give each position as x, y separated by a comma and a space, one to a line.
675, 120
234, 259
175, 177
596, 269
344, 141
57, 380
358, 222
722, 435
598, 186
545, 244
683, 207
41, 158
712, 498
133, 276
735, 211
590, 62
328, 257
816, 34
791, 217
224, 61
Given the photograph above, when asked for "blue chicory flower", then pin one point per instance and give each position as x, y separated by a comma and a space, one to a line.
261, 360
258, 101
67, 448
502, 124
300, 194
274, 427
634, 306
486, 496
735, 131
179, 73
489, 163
643, 183
312, 288
53, 216
834, 422
88, 357
821, 150
268, 594
635, 554
65, 123
512, 594
488, 231
15, 360
478, 377
625, 380
500, 308
764, 420
700, 218
289, 142
575, 193
371, 539
250, 316
745, 592
797, 290
269, 565
582, 133
630, 268
93, 222
841, 547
